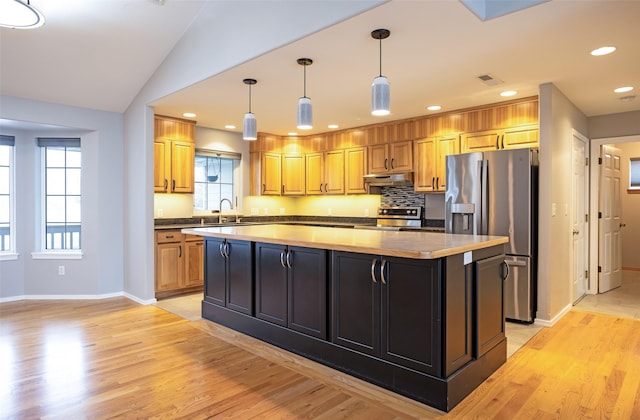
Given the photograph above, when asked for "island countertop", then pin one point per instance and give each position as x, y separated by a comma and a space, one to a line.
416, 245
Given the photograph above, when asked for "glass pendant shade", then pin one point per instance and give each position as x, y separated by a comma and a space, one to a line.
249, 131
380, 96
305, 117
19, 15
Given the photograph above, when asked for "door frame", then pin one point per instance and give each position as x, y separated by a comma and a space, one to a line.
594, 182
587, 251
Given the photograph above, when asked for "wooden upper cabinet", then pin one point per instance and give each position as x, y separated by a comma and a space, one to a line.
315, 173
293, 175
520, 137
334, 172
270, 174
508, 138
431, 163
355, 170
174, 155
391, 158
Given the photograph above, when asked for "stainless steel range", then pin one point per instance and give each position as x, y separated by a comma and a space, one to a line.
397, 218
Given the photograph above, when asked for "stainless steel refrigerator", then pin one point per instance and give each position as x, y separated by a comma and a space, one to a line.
496, 193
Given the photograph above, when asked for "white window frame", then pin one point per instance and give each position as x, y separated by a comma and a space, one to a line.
236, 157
45, 253
10, 254
634, 169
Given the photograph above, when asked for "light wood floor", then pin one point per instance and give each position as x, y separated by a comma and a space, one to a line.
116, 359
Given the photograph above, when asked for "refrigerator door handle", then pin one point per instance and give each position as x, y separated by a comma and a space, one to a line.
482, 224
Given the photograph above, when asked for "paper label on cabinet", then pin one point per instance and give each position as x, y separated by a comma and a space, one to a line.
467, 257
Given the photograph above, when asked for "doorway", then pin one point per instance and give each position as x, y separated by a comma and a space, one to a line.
595, 259
579, 215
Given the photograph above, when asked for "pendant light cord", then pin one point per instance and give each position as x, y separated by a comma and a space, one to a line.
249, 98
380, 39
304, 89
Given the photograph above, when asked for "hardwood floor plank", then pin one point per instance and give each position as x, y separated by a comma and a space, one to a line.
116, 359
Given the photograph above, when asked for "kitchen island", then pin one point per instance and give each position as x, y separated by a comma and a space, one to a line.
418, 313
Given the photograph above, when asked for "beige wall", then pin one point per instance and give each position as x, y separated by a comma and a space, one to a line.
630, 210
558, 118
615, 125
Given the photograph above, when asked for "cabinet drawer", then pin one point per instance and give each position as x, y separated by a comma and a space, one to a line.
193, 238
168, 236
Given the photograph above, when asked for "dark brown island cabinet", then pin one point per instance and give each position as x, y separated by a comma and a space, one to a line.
429, 329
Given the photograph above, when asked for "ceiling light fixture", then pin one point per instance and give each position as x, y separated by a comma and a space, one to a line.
603, 51
508, 93
17, 14
380, 87
230, 127
333, 126
305, 115
189, 115
623, 89
434, 107
249, 129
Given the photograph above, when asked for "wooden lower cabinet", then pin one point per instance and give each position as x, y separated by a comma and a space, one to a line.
179, 263
388, 307
291, 285
229, 274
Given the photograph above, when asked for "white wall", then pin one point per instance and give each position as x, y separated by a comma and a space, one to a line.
558, 118
224, 34
100, 271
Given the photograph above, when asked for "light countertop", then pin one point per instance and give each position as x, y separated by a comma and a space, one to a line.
417, 245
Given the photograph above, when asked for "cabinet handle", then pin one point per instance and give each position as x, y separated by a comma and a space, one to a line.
498, 141
503, 141
382, 267
373, 270
385, 164
282, 189
166, 184
264, 188
282, 260
179, 251
437, 183
169, 236
392, 165
173, 185
289, 258
326, 188
508, 270
320, 187
433, 182
220, 249
226, 249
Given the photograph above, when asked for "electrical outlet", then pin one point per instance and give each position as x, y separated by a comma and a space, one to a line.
366, 212
266, 211
61, 270
254, 211
281, 210
329, 212
160, 212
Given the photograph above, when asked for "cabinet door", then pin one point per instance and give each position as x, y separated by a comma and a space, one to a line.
334, 172
161, 155
215, 272
271, 283
182, 166
293, 175
315, 173
445, 146
481, 141
425, 165
169, 266
410, 313
355, 167
520, 137
489, 316
239, 293
307, 311
378, 159
270, 174
194, 263
401, 156
355, 321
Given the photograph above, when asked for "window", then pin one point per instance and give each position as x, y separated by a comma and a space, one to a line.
214, 179
634, 174
61, 170
7, 218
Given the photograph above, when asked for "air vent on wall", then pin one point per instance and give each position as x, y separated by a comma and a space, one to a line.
488, 79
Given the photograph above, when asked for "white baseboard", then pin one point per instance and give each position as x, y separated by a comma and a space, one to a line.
78, 297
551, 322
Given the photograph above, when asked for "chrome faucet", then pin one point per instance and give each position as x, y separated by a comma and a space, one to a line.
220, 206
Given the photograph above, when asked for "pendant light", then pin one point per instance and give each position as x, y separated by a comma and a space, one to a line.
380, 86
18, 14
305, 117
249, 129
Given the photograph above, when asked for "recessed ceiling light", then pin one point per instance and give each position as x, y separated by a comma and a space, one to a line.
189, 115
623, 89
508, 93
230, 127
603, 51
333, 126
292, 133
434, 107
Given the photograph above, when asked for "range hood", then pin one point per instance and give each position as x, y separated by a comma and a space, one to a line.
389, 180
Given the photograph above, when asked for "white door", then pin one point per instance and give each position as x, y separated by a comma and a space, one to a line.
609, 252
579, 222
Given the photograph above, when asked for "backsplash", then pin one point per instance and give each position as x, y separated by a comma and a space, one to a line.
400, 196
